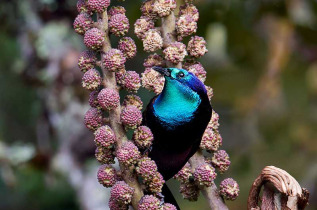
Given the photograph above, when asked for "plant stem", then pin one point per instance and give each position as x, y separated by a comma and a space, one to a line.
168, 34
109, 81
210, 193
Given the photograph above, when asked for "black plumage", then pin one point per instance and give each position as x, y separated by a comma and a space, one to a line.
174, 146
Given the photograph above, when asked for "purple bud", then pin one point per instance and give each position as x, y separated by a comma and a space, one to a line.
152, 81
141, 26
197, 46
205, 174
98, 6
211, 140
82, 7
91, 80
107, 175
94, 39
199, 71
175, 52
156, 184
127, 47
128, 154
149, 202
133, 100
121, 192
116, 10
93, 119
105, 137
147, 9
168, 206
87, 60
143, 137
229, 189
152, 41
104, 156
220, 160
164, 7
108, 99
186, 25
93, 101
119, 24
131, 117
82, 23
184, 174
131, 81
210, 92
153, 60
189, 191
147, 169
114, 60
189, 9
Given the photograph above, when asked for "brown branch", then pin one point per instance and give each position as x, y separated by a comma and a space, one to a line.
210, 193
109, 81
280, 190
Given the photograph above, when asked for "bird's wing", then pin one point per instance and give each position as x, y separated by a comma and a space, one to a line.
148, 112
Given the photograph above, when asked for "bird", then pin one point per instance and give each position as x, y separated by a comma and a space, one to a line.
177, 117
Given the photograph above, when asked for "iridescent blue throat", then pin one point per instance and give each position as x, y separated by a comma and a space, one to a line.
176, 104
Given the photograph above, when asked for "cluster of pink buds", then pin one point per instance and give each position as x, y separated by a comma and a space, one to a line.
104, 75
186, 23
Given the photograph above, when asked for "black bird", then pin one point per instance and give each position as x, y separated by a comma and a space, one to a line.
177, 118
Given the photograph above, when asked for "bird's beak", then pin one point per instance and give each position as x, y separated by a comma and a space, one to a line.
163, 71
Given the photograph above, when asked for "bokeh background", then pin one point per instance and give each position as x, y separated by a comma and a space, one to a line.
262, 65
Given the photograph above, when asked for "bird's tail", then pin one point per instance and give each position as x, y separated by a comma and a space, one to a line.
168, 196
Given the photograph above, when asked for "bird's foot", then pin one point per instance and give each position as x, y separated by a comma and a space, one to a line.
148, 150
161, 197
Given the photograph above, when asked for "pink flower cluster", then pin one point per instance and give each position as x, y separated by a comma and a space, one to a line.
108, 99
128, 154
107, 175
131, 117
105, 137
133, 100
205, 175
184, 174
82, 23
186, 23
143, 137
87, 60
229, 189
93, 118
94, 38
91, 79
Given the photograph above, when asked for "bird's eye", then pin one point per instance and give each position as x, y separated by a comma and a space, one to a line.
181, 74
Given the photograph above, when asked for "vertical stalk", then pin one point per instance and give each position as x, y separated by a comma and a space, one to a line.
169, 35
109, 81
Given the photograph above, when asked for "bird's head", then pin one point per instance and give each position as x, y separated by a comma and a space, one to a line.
181, 80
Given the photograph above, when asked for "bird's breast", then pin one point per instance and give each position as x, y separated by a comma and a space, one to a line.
175, 113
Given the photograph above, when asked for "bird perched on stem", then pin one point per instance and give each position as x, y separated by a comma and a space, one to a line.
177, 117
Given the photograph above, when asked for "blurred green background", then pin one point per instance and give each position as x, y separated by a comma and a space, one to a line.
262, 65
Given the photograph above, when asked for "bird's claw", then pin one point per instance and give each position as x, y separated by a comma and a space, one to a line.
161, 197
148, 150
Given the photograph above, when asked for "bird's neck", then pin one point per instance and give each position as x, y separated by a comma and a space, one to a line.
176, 104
